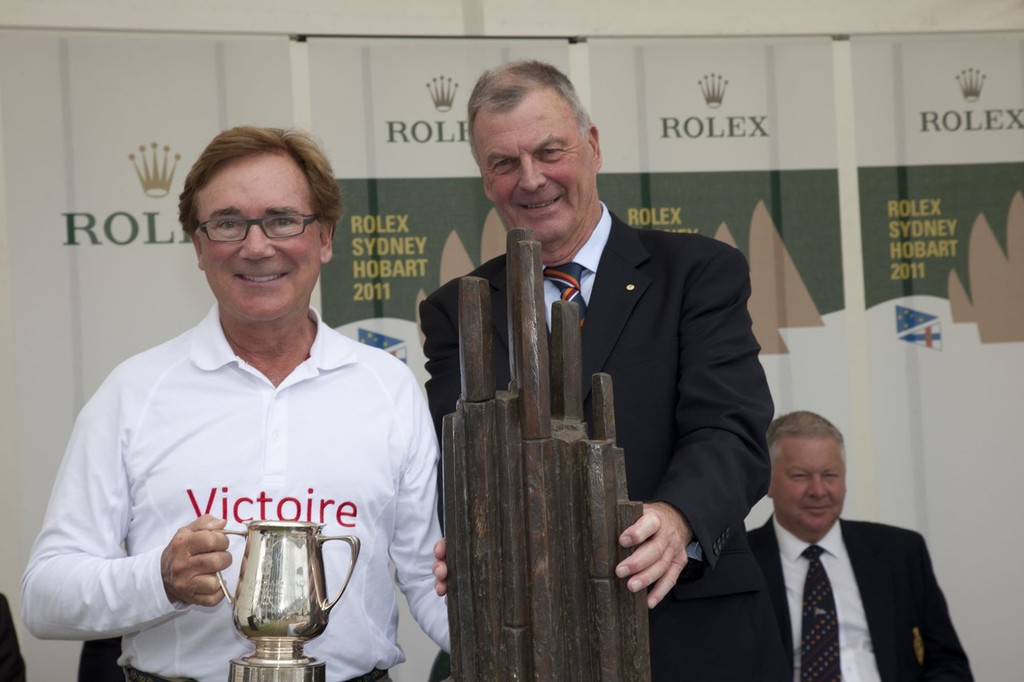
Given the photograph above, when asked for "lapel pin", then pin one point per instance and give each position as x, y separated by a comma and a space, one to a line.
630, 287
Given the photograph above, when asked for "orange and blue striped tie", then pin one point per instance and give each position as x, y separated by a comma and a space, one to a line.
567, 278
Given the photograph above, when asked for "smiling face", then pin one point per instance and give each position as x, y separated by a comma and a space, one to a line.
261, 281
808, 485
540, 171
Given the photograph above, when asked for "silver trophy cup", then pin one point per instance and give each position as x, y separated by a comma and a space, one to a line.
281, 601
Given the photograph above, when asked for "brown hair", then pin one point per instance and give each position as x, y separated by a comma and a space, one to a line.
242, 141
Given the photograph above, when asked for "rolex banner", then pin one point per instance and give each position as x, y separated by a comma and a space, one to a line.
940, 150
392, 115
736, 140
697, 136
99, 131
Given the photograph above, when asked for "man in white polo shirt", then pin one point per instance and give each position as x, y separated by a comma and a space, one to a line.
261, 411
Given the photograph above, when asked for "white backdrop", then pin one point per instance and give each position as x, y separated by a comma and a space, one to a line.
74, 105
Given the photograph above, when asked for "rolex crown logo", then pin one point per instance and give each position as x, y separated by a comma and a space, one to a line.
442, 92
971, 82
154, 174
713, 86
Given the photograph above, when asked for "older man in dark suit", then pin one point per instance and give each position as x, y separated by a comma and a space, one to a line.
888, 617
666, 316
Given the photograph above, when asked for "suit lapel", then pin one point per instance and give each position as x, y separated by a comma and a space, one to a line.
877, 595
499, 313
766, 550
617, 289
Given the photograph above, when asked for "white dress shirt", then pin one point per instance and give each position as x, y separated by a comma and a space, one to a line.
588, 257
856, 654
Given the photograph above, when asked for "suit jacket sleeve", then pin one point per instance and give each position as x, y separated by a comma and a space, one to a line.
12, 666
440, 327
911, 630
720, 465
944, 657
692, 403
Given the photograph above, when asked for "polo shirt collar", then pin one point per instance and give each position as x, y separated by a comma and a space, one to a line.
210, 349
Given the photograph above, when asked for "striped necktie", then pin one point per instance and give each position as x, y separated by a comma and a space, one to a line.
567, 278
819, 638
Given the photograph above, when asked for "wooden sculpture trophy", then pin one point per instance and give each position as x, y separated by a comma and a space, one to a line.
533, 507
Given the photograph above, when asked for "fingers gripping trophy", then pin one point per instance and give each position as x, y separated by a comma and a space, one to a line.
280, 602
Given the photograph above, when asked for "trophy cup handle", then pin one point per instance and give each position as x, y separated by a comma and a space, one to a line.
220, 578
352, 542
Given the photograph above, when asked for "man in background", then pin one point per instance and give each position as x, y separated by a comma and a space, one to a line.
852, 598
666, 316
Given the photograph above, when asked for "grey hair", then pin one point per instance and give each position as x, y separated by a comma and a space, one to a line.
502, 88
802, 424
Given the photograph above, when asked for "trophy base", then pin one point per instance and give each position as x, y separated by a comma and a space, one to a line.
300, 672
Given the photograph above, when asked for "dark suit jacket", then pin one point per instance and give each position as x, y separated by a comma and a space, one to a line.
98, 661
12, 666
668, 320
899, 590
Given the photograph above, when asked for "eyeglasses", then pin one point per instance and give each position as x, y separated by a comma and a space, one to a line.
235, 229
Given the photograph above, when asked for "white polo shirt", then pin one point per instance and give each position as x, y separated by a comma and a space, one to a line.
188, 428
